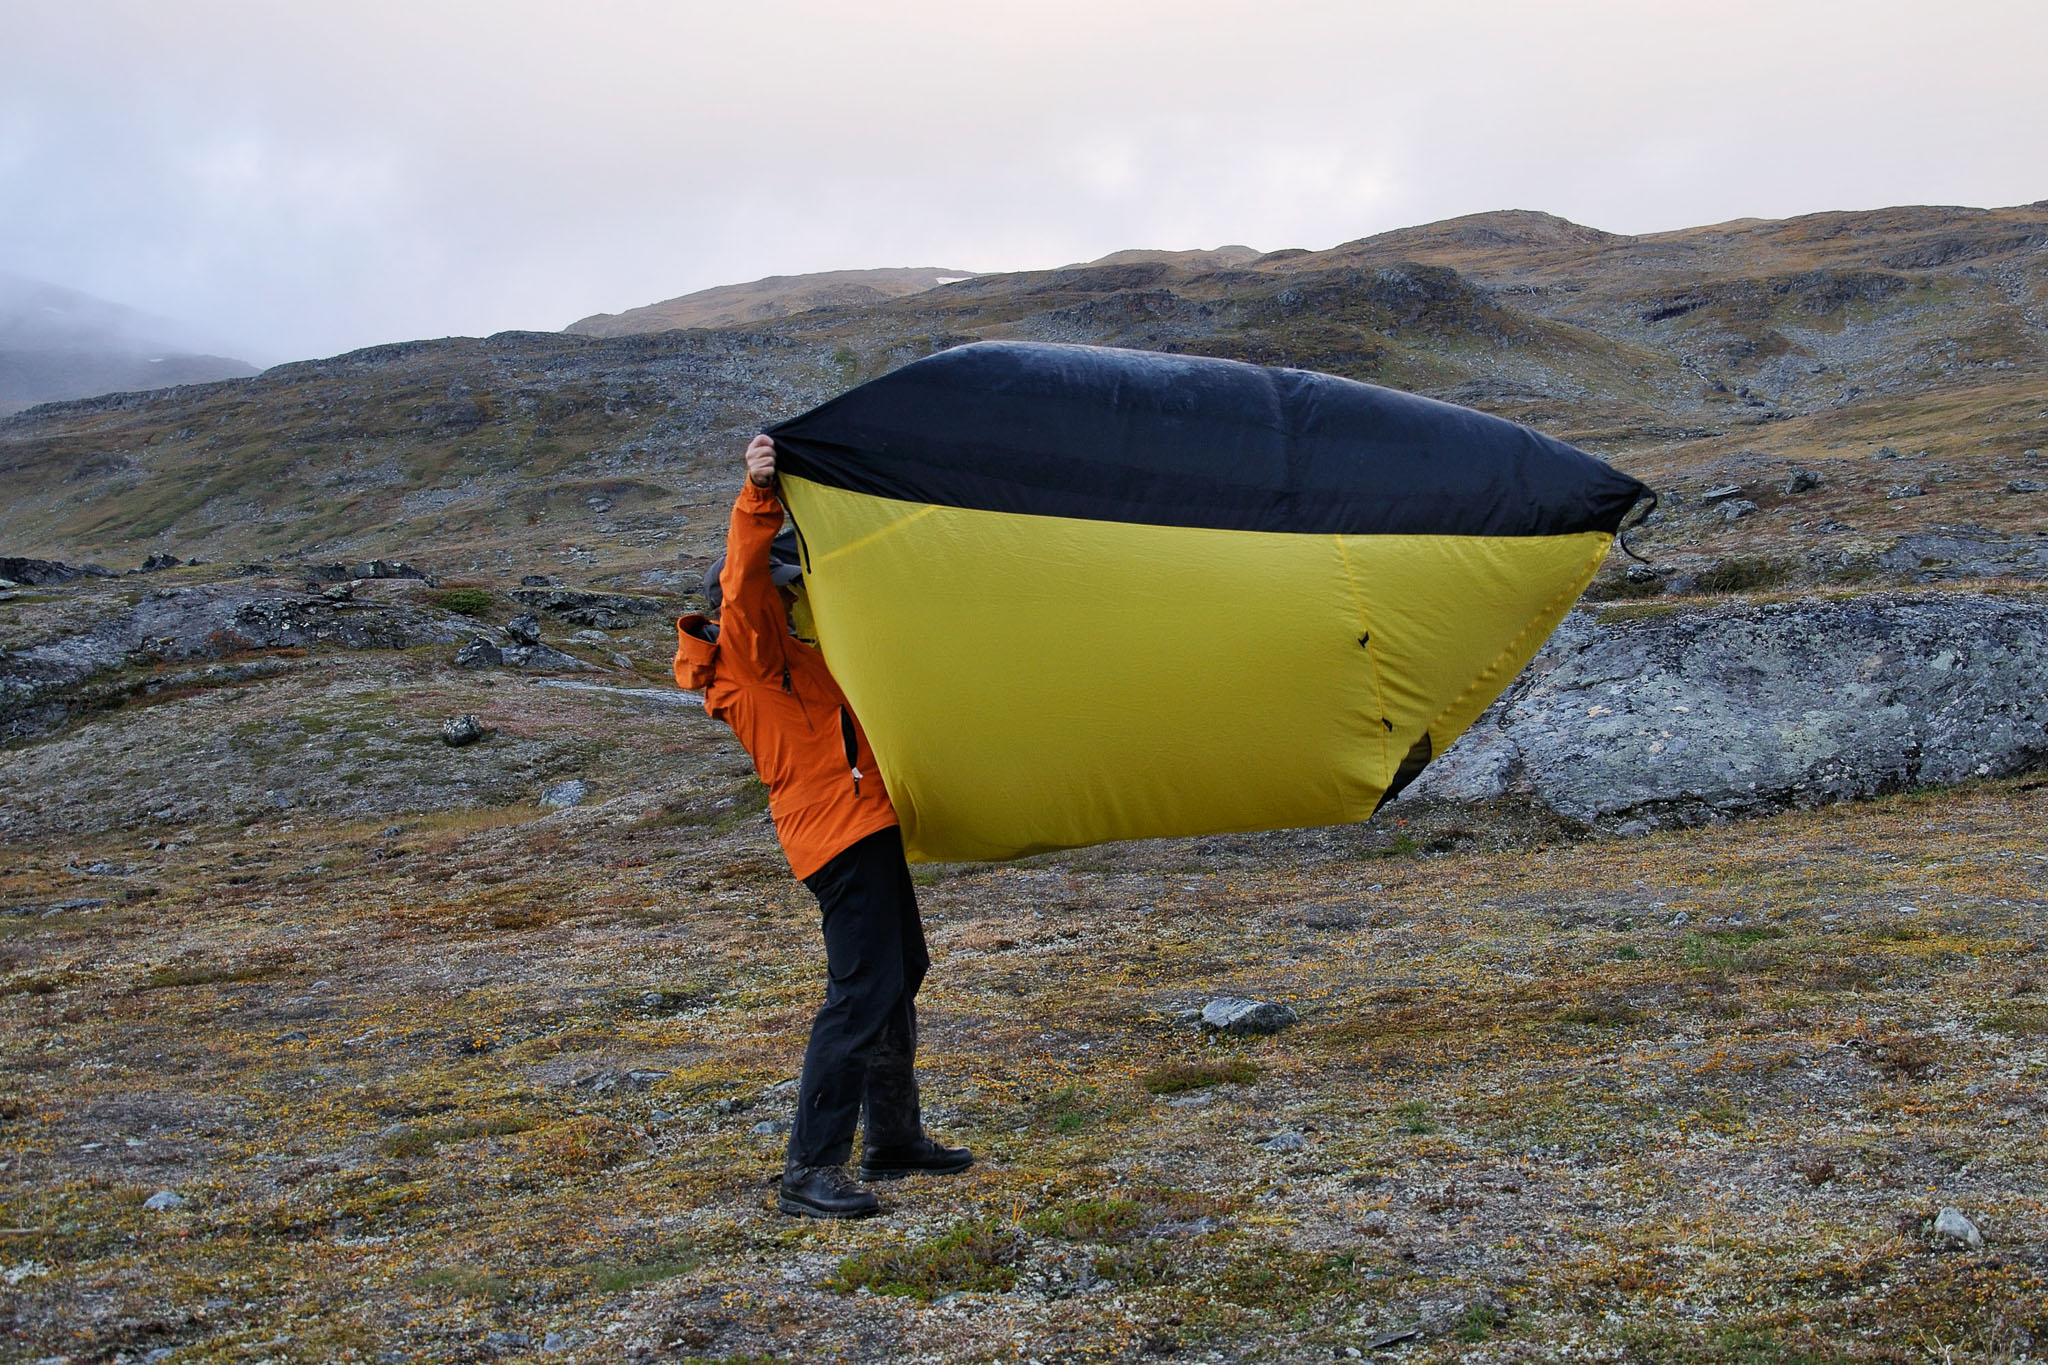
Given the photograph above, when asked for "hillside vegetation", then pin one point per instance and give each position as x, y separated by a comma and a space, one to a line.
1881, 352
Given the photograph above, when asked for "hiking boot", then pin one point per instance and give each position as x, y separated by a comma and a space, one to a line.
824, 1192
921, 1155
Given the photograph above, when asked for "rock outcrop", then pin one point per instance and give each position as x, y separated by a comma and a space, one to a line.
1681, 718
121, 654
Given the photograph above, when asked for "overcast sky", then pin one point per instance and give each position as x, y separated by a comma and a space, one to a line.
303, 178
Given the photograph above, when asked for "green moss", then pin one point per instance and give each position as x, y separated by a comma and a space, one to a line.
206, 974
2018, 1018
466, 1282
664, 1261
1414, 1117
976, 1257
1087, 1220
1171, 1078
423, 1140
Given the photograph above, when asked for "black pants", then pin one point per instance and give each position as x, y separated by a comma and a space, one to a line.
863, 1046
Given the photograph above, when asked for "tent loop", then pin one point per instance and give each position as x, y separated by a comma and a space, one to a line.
1621, 535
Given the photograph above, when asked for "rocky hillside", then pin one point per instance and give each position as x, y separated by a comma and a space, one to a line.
1845, 397
778, 296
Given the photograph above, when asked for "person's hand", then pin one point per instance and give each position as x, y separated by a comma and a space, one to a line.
761, 461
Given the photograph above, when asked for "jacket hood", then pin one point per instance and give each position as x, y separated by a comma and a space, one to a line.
696, 651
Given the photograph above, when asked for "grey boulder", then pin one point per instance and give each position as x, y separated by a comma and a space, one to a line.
1229, 1014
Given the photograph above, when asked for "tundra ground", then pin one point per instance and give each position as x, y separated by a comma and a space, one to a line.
487, 1085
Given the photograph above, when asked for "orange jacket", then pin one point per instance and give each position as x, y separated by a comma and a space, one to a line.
779, 698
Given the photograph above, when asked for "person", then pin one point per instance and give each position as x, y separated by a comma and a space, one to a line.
840, 834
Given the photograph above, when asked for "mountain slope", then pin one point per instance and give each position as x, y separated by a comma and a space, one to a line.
1899, 352
777, 296
58, 343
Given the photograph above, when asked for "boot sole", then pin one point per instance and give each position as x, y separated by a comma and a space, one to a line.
871, 1174
796, 1208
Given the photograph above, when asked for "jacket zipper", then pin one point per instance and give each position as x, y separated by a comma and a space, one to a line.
852, 747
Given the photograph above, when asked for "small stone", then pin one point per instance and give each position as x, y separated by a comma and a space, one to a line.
2026, 486
297, 1035
537, 580
660, 1116
507, 1341
524, 628
1903, 491
164, 1200
1887, 453
1285, 1142
479, 653
1801, 481
1737, 509
1228, 1014
1720, 491
1953, 1225
561, 1341
563, 795
770, 1127
340, 592
1679, 920
462, 730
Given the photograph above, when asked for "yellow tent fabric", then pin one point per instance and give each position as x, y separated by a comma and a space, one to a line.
1031, 680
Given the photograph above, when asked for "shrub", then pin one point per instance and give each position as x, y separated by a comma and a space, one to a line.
465, 601
1744, 573
980, 1256
1086, 1220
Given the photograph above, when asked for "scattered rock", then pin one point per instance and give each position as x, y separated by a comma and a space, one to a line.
462, 730
1737, 510
602, 610
165, 1200
1953, 1225
536, 580
507, 1341
1801, 481
563, 795
1886, 453
1904, 490
555, 1342
771, 1127
373, 568
524, 629
1228, 1014
2026, 486
341, 592
1285, 1142
157, 563
479, 653
1720, 491
660, 1116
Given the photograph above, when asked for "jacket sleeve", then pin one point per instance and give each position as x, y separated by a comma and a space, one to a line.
752, 621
